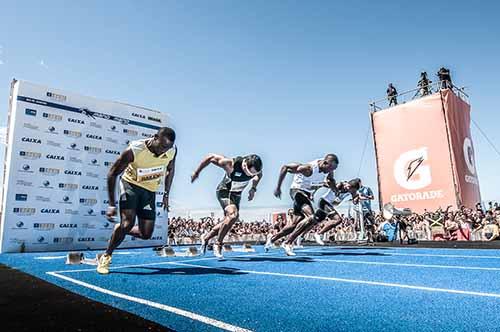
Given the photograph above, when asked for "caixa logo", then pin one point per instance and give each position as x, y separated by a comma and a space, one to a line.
54, 157
31, 140
91, 136
49, 211
89, 187
410, 170
68, 225
71, 172
156, 238
77, 121
86, 239
137, 115
112, 152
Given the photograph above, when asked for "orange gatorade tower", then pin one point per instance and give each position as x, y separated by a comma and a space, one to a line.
424, 153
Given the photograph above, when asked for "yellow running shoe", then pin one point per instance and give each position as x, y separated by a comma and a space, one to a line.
103, 264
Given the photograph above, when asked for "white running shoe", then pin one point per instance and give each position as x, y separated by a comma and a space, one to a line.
318, 239
218, 251
269, 244
288, 249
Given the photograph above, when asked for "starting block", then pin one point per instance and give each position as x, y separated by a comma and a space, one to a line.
77, 258
246, 247
170, 252
227, 248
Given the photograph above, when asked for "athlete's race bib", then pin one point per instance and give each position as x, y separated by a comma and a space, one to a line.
238, 186
148, 174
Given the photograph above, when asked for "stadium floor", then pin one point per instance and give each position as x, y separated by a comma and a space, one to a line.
321, 289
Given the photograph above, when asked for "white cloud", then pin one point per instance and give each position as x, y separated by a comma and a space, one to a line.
42, 63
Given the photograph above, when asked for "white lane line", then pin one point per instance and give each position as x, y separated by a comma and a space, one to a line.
459, 267
174, 310
352, 281
50, 257
388, 254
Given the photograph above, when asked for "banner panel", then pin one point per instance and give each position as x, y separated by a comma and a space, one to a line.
413, 155
457, 114
60, 147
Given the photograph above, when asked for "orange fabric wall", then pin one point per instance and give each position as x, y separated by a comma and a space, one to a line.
413, 159
458, 119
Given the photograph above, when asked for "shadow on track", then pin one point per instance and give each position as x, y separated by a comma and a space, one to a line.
187, 271
272, 259
312, 253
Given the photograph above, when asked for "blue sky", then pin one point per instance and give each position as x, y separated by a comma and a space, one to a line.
289, 80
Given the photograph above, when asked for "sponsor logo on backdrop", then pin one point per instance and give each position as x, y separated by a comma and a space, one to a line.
93, 136
49, 211
138, 115
88, 201
470, 161
113, 152
77, 121
21, 197
25, 168
87, 226
73, 147
89, 187
31, 140
66, 200
24, 183
147, 135
151, 118
63, 240
111, 140
30, 126
20, 225
43, 226
75, 160
106, 201
154, 238
30, 112
86, 239
54, 157
52, 130
94, 162
68, 225
52, 143
72, 133
57, 97
42, 198
130, 132
159, 204
49, 171
71, 212
68, 186
92, 149
24, 211
30, 155
41, 240
90, 213
96, 125
52, 117
46, 185
412, 173
108, 163
113, 128
92, 175
72, 172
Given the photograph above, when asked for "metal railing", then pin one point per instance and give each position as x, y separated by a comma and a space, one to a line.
416, 93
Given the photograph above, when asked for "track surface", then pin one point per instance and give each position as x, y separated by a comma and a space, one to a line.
320, 289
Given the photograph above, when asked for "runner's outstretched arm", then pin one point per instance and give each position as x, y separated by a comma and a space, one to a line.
215, 159
292, 168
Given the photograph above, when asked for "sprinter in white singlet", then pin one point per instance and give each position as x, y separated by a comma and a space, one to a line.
307, 179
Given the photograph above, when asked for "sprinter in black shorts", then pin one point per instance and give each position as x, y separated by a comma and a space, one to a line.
239, 172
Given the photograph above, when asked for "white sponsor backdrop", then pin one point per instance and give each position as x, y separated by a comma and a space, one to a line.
60, 146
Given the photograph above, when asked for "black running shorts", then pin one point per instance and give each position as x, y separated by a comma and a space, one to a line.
225, 198
300, 198
143, 201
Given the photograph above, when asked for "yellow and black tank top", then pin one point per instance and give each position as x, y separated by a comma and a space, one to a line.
147, 170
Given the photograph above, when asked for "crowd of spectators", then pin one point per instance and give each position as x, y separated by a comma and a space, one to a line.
479, 224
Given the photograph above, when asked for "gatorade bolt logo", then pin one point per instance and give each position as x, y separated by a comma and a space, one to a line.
410, 171
469, 156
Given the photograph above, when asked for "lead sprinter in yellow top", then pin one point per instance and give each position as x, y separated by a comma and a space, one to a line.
145, 162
